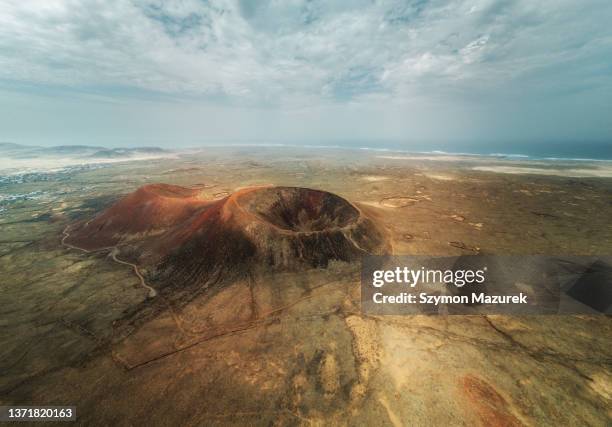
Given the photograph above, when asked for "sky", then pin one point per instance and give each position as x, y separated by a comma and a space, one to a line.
185, 73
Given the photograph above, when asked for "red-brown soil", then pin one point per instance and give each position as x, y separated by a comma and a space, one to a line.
186, 239
488, 404
151, 208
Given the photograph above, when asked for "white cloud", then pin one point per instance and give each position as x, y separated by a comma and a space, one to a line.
309, 54
272, 51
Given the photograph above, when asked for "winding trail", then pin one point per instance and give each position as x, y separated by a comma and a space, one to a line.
113, 252
152, 292
68, 245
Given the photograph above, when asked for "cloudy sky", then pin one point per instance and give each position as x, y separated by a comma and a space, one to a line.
182, 73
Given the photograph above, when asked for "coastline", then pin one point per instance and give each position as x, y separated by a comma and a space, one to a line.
507, 163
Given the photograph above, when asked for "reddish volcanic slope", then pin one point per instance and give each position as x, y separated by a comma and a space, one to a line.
187, 240
149, 209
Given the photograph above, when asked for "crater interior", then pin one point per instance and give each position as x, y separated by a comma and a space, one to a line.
300, 209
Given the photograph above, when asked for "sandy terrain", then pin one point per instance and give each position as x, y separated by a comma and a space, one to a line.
293, 348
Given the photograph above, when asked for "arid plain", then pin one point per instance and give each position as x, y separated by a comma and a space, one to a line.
88, 319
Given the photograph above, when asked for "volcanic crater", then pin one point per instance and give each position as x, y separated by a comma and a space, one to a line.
182, 239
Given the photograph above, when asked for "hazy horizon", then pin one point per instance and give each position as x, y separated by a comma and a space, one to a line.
499, 75
517, 151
